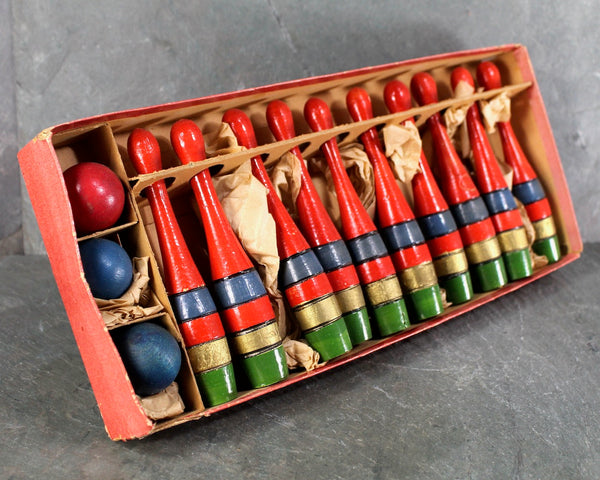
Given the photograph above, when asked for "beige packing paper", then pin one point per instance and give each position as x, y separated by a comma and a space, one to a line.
164, 404
454, 118
495, 110
135, 303
361, 175
244, 200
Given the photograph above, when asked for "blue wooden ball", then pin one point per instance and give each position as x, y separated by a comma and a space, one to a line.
108, 268
151, 356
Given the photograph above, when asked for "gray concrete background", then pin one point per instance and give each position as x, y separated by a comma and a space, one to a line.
71, 59
507, 391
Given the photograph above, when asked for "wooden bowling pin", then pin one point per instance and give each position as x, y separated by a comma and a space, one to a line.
434, 216
399, 229
241, 296
195, 311
495, 192
526, 185
301, 276
468, 208
370, 256
323, 237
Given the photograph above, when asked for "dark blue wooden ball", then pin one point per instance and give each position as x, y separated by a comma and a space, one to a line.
108, 268
151, 356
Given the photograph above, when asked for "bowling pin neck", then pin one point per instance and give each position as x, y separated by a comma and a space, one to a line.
514, 155
289, 239
180, 272
188, 142
144, 151
241, 127
397, 96
488, 76
428, 197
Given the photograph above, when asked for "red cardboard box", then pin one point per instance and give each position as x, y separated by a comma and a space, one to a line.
103, 138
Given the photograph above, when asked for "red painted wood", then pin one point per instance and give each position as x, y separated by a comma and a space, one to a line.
289, 239
428, 198
226, 255
487, 170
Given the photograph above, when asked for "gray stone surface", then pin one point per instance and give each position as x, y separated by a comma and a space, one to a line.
509, 390
11, 234
75, 59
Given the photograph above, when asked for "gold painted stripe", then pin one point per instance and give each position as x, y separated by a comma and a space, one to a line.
350, 299
262, 337
512, 240
483, 251
324, 310
384, 291
209, 355
544, 228
418, 277
452, 263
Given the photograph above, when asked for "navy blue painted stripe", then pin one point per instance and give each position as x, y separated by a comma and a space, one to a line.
299, 267
192, 304
529, 192
367, 247
333, 255
437, 224
239, 288
471, 211
402, 235
499, 201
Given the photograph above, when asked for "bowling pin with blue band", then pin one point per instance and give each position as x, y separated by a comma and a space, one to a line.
243, 301
371, 258
323, 237
301, 276
494, 191
468, 208
434, 217
526, 185
195, 311
399, 229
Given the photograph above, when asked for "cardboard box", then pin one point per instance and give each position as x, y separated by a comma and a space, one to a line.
104, 138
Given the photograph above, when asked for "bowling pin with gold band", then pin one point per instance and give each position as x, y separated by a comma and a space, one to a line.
370, 256
399, 229
434, 216
323, 237
301, 276
195, 311
468, 208
494, 191
243, 301
526, 185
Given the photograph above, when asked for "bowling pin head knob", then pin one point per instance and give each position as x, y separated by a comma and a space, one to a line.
188, 142
359, 104
424, 88
317, 114
280, 120
461, 74
488, 76
144, 151
397, 96
241, 126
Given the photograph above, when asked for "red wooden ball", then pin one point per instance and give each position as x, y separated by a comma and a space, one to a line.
96, 195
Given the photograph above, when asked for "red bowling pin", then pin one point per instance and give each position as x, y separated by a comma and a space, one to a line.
323, 237
399, 229
301, 276
372, 260
434, 216
242, 298
526, 187
195, 311
499, 200
468, 208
